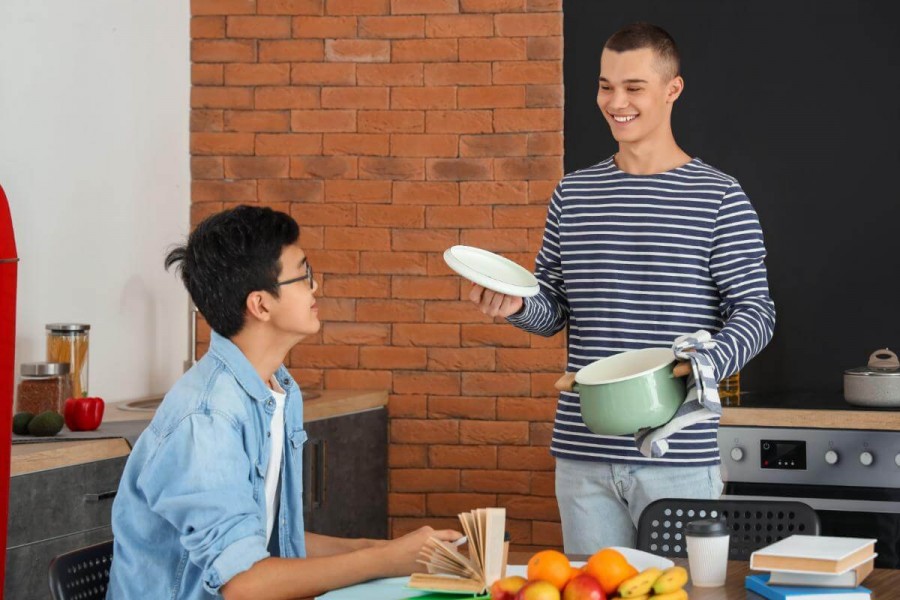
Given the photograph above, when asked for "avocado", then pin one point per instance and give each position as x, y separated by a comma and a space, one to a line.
20, 422
46, 424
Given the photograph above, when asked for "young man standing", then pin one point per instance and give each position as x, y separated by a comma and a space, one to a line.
210, 502
645, 246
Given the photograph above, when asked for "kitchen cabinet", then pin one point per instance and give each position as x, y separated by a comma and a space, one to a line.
54, 511
345, 475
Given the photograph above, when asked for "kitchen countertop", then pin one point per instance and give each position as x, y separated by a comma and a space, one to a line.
811, 418
328, 403
818, 410
28, 458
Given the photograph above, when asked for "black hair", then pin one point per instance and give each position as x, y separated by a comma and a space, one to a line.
645, 35
228, 256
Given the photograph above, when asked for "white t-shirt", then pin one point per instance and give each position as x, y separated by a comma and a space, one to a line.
273, 469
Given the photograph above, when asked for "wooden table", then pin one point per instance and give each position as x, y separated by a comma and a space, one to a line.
884, 583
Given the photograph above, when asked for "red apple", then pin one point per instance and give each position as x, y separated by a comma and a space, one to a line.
507, 588
538, 590
583, 587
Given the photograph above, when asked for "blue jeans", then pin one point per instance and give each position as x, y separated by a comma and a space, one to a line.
600, 503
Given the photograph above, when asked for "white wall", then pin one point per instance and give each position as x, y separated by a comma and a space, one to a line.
94, 109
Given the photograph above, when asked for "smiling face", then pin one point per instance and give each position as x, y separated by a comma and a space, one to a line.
294, 310
636, 94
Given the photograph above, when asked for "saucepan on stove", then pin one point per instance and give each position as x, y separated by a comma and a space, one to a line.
876, 385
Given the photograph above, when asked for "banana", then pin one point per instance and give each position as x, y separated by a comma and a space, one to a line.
671, 580
676, 595
641, 584
644, 597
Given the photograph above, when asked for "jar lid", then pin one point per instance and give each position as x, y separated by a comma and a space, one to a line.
707, 528
43, 369
68, 327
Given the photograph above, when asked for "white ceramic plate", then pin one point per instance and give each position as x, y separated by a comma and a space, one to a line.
641, 560
638, 559
491, 271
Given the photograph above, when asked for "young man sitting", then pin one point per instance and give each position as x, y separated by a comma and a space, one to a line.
210, 502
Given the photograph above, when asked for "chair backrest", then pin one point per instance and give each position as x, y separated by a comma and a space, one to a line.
82, 574
753, 523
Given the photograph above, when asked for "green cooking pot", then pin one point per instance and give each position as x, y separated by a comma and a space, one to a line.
629, 391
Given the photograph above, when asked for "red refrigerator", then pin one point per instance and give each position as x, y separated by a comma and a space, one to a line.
8, 269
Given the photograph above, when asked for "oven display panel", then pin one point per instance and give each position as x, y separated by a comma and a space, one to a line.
782, 454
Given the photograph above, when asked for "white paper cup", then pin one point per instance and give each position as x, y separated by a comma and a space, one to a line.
707, 548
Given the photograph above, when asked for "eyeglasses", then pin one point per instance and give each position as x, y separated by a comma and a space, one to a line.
308, 276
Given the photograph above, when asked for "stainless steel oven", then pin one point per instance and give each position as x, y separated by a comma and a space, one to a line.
850, 477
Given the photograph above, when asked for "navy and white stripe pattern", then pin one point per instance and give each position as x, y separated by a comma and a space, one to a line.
701, 398
631, 262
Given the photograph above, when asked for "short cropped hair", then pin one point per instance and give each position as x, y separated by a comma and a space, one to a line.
645, 35
228, 256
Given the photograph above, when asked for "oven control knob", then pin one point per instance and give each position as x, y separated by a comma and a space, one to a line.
831, 457
866, 458
737, 454
897, 460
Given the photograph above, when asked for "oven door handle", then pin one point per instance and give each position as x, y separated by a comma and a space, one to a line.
835, 504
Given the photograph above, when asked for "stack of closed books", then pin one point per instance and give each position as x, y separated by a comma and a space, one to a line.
814, 568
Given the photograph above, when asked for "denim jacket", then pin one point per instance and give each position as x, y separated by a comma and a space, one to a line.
190, 512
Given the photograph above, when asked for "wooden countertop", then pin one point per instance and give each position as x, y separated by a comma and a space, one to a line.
329, 403
28, 458
884, 583
884, 420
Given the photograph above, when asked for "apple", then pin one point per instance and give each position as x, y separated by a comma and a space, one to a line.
583, 587
538, 590
507, 588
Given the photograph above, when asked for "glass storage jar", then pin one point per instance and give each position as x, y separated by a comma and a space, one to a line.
730, 390
68, 343
44, 386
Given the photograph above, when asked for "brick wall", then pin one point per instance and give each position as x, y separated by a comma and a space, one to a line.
391, 130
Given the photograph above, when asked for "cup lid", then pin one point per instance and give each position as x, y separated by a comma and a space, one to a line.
707, 528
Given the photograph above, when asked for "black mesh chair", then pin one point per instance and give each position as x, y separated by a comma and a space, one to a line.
82, 574
753, 523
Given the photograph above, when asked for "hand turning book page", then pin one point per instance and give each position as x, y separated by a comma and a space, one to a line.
450, 571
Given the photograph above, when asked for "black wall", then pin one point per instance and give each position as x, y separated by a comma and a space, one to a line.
800, 101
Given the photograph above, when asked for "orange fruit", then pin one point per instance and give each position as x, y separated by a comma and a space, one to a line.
550, 566
609, 568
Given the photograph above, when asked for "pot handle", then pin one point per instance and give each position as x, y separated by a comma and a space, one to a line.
884, 358
566, 383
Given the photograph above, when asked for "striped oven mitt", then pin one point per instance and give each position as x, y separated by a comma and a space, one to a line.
701, 400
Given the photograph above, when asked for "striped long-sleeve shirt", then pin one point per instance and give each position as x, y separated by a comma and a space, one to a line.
634, 261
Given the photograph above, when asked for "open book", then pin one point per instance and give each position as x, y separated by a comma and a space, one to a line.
449, 570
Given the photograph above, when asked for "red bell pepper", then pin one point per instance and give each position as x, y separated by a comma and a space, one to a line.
84, 414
